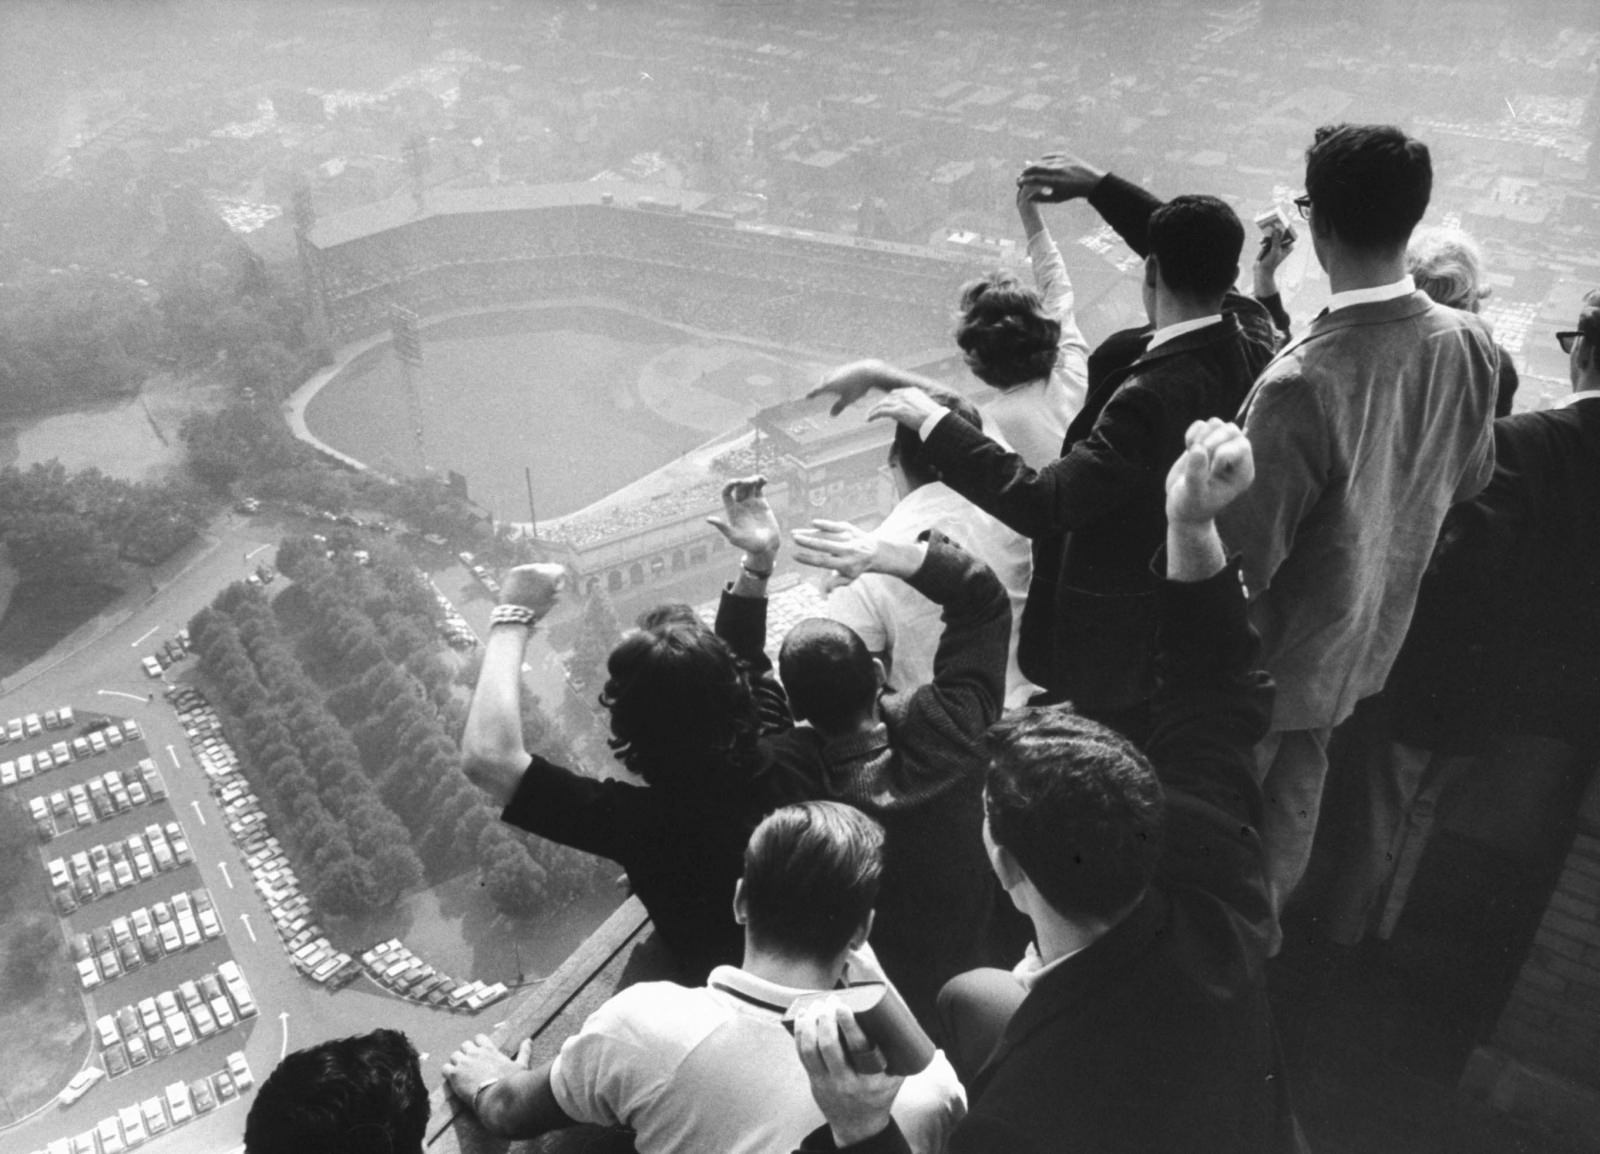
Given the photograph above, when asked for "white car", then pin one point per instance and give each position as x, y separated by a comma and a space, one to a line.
105, 1028
155, 1116
88, 973
224, 1012
209, 925
132, 1126
178, 1028
149, 1013
81, 1083
240, 1069
110, 1135
178, 1105
152, 667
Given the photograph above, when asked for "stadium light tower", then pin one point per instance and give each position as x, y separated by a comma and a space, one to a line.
408, 350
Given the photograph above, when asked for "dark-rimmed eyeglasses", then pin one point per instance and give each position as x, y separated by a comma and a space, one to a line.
1303, 203
1567, 339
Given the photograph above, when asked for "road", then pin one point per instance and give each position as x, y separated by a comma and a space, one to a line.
111, 663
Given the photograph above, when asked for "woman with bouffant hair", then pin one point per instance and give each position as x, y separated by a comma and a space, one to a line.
687, 705
1447, 264
1025, 343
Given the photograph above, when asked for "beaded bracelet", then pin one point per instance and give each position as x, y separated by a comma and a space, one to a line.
513, 615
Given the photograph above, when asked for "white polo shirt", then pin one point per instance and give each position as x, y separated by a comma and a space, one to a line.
713, 1069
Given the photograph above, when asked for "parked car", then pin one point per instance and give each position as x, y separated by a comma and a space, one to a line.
178, 1105
204, 1100
155, 1115
81, 1083
116, 1060
240, 1069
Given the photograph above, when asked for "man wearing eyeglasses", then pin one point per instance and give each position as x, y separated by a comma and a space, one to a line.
1367, 428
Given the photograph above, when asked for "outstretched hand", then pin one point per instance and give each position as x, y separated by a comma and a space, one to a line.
847, 384
748, 521
535, 587
838, 545
909, 407
840, 1061
1059, 176
1215, 467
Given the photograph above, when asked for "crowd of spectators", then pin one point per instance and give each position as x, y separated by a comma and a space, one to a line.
1050, 924
823, 293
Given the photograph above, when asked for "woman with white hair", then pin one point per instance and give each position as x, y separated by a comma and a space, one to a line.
1447, 264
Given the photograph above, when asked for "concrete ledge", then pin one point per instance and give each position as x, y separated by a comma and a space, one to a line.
621, 952
1566, 1109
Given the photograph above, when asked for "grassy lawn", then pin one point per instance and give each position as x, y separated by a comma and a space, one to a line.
43, 1036
40, 615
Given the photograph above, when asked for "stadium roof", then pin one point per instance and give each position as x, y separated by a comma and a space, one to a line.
402, 209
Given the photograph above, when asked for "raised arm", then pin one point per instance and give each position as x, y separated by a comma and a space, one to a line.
849, 383
1211, 705
1096, 477
492, 754
750, 526
969, 668
1055, 289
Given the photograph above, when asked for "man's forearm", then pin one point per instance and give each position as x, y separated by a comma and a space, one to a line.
522, 1105
1194, 551
491, 743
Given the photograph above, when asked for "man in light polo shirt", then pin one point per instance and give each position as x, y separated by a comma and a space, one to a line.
713, 1068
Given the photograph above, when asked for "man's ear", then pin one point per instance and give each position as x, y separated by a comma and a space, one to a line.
741, 907
879, 673
863, 931
1152, 270
1005, 867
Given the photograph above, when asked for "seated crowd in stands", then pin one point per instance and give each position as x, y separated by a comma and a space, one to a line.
1060, 795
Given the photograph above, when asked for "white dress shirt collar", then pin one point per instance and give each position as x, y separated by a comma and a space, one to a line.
1162, 335
1405, 286
1574, 398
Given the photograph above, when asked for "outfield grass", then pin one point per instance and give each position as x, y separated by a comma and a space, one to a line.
40, 615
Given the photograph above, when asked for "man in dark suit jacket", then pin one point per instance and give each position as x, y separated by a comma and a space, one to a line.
1095, 514
1143, 1022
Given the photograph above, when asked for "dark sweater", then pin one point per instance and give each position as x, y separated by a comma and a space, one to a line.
920, 772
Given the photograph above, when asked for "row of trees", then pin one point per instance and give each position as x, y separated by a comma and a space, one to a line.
73, 528
354, 851
367, 634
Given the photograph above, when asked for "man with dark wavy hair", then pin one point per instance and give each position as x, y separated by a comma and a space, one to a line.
359, 1095
1139, 1023
1366, 428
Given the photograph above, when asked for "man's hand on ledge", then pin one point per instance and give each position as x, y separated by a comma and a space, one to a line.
479, 1065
